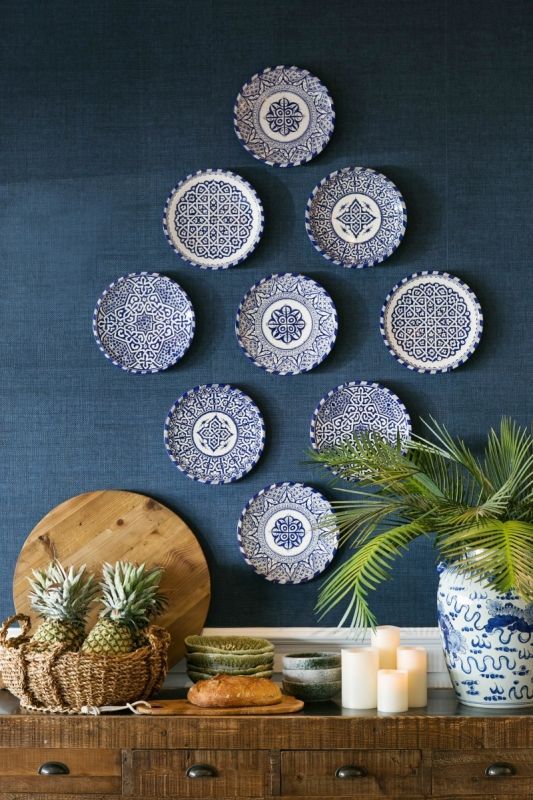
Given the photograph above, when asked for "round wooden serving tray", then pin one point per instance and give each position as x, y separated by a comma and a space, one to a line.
114, 525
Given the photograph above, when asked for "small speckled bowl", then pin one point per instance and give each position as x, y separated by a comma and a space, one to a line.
312, 692
311, 661
313, 675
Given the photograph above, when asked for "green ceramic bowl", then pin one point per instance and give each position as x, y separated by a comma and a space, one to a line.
311, 660
222, 670
222, 661
332, 675
204, 676
238, 645
312, 692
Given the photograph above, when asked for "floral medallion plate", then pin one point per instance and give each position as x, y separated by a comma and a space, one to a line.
286, 324
355, 407
286, 534
431, 322
213, 219
214, 433
356, 217
284, 116
143, 322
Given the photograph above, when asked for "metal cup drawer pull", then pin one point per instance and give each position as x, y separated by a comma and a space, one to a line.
201, 771
53, 768
500, 770
350, 771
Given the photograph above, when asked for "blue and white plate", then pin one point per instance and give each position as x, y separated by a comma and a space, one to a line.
213, 219
286, 324
214, 433
284, 116
431, 322
356, 217
143, 322
287, 534
358, 407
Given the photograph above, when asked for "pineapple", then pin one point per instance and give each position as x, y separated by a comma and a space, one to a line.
62, 598
131, 599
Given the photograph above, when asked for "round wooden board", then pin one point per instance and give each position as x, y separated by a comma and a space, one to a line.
167, 708
114, 525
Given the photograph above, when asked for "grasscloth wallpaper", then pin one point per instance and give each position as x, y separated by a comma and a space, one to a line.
106, 105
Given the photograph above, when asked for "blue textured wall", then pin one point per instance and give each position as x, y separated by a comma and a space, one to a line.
106, 105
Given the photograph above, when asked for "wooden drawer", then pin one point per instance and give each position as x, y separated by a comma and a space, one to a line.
228, 773
94, 772
352, 773
463, 773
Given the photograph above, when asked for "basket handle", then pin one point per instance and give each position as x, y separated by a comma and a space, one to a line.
14, 641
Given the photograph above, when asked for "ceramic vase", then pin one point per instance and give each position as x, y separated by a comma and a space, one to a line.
488, 642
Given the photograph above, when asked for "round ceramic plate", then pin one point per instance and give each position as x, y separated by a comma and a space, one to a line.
214, 433
284, 116
356, 217
286, 324
143, 322
431, 322
355, 407
213, 219
285, 533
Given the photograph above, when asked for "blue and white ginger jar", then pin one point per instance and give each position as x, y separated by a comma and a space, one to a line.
488, 642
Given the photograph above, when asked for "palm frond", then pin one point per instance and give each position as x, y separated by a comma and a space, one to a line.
368, 567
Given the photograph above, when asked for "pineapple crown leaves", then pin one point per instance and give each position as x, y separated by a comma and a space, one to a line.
61, 594
130, 593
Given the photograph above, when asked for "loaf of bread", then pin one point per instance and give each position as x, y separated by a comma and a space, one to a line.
234, 691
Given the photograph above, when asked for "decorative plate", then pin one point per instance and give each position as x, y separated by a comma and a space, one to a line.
214, 433
213, 219
143, 322
358, 406
431, 322
356, 217
284, 116
285, 533
286, 324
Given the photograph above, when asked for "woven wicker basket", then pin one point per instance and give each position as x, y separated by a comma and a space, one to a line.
60, 681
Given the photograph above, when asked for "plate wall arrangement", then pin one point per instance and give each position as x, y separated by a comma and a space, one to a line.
358, 407
214, 433
213, 219
284, 116
286, 534
356, 217
143, 322
286, 324
431, 322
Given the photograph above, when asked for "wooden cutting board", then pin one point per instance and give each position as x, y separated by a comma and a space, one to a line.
115, 525
288, 705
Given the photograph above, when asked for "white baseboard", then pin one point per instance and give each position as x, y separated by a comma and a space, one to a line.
294, 640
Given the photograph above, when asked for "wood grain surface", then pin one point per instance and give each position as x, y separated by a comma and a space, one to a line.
115, 525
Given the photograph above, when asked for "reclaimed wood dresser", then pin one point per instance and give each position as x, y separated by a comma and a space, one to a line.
324, 752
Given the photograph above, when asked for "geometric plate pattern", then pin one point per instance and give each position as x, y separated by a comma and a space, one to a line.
286, 324
213, 219
286, 533
214, 433
143, 322
355, 407
284, 116
431, 322
356, 217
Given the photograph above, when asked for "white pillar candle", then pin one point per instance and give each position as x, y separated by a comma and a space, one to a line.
386, 638
415, 661
359, 677
392, 690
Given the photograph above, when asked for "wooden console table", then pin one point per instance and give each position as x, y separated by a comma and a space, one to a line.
323, 752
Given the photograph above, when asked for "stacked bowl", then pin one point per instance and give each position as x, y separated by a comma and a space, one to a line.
208, 656
313, 677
